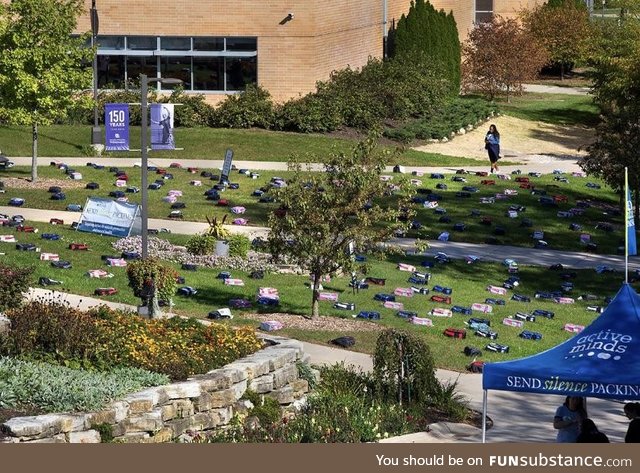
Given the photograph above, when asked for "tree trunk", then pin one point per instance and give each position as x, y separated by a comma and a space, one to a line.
561, 70
315, 304
508, 96
34, 153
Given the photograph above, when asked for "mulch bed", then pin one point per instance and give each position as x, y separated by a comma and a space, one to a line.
22, 183
332, 324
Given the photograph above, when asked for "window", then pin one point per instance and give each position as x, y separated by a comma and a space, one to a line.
203, 63
111, 72
142, 42
208, 73
240, 72
177, 67
484, 10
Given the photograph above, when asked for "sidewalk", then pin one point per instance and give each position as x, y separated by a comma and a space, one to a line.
555, 89
456, 250
535, 162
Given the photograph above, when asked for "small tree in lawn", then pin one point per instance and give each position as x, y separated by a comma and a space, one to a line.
563, 28
499, 56
42, 67
322, 213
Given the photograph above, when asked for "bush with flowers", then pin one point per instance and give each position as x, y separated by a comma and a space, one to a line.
105, 338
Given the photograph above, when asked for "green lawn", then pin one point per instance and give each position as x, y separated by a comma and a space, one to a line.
557, 109
468, 282
557, 232
207, 143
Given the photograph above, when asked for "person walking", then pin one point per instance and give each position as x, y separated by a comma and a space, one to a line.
568, 419
492, 145
632, 411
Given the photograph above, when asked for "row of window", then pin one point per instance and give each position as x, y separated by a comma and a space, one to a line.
176, 43
203, 63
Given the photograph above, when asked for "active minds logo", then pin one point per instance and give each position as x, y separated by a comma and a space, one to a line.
604, 344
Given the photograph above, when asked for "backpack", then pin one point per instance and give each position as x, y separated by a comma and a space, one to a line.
472, 351
345, 342
476, 366
455, 332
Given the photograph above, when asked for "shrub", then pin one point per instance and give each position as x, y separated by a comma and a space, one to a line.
456, 113
51, 330
265, 408
403, 368
239, 245
163, 277
309, 114
201, 244
193, 110
251, 108
14, 281
59, 389
176, 347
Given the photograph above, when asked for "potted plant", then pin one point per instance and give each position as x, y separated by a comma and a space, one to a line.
220, 233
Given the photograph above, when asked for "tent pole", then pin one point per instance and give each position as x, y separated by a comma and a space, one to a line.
484, 416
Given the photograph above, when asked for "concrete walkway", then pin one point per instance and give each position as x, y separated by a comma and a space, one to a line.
534, 162
555, 89
456, 250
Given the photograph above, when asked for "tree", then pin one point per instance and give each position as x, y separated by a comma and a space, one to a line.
322, 214
499, 56
42, 66
563, 28
616, 89
425, 30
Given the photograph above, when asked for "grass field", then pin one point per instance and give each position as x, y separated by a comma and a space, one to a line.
557, 232
469, 284
557, 109
206, 143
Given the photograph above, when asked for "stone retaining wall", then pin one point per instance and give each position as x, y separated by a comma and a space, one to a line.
164, 413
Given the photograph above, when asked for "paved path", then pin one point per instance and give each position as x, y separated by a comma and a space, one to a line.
530, 162
456, 250
555, 89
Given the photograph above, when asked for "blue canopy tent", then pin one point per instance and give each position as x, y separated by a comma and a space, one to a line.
602, 361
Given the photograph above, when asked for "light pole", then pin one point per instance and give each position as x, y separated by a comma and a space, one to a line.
96, 133
144, 125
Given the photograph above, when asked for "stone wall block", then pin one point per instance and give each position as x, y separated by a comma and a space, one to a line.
74, 423
46, 425
107, 416
133, 437
88, 436
285, 375
187, 389
283, 395
254, 367
262, 384
300, 386
280, 356
147, 422
226, 397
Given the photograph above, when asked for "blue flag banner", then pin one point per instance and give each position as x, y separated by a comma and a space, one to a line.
631, 227
116, 126
162, 126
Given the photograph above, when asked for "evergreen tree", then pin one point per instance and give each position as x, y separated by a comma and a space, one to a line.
432, 33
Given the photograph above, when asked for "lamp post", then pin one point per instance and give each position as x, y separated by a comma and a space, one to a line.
96, 132
144, 125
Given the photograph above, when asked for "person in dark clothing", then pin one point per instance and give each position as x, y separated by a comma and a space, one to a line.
492, 145
589, 433
632, 411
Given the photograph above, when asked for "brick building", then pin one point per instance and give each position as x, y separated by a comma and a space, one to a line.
218, 46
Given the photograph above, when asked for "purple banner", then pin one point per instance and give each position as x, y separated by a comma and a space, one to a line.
162, 126
116, 129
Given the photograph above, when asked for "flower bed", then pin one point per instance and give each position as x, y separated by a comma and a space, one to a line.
105, 338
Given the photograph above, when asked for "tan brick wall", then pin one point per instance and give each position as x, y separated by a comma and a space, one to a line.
324, 35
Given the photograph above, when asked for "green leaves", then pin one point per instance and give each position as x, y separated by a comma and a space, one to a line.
42, 65
326, 212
